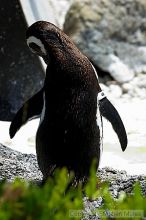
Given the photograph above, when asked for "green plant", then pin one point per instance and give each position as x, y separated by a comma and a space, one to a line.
55, 200
126, 206
20, 200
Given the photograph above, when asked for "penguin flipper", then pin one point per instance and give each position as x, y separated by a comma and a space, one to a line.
111, 114
31, 109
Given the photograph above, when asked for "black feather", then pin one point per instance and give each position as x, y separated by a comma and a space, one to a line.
30, 110
110, 113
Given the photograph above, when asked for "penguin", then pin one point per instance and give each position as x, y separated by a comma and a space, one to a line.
68, 133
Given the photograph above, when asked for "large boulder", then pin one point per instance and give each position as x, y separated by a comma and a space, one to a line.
111, 33
21, 73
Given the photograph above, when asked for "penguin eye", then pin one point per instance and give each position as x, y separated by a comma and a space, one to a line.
34, 47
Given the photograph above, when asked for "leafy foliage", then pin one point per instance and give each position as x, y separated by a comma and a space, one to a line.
20, 200
55, 200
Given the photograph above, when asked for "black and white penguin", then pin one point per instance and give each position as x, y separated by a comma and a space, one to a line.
68, 133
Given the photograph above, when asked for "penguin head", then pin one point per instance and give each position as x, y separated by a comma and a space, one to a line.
44, 38
36, 39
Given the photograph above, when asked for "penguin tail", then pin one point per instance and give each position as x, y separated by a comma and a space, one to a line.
111, 114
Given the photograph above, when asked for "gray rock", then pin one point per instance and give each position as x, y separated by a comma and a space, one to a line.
21, 74
15, 164
111, 34
136, 87
115, 91
120, 182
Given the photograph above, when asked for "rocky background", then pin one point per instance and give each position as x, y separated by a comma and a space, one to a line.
113, 35
21, 74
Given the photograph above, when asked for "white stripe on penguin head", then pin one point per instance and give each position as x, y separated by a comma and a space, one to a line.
38, 42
